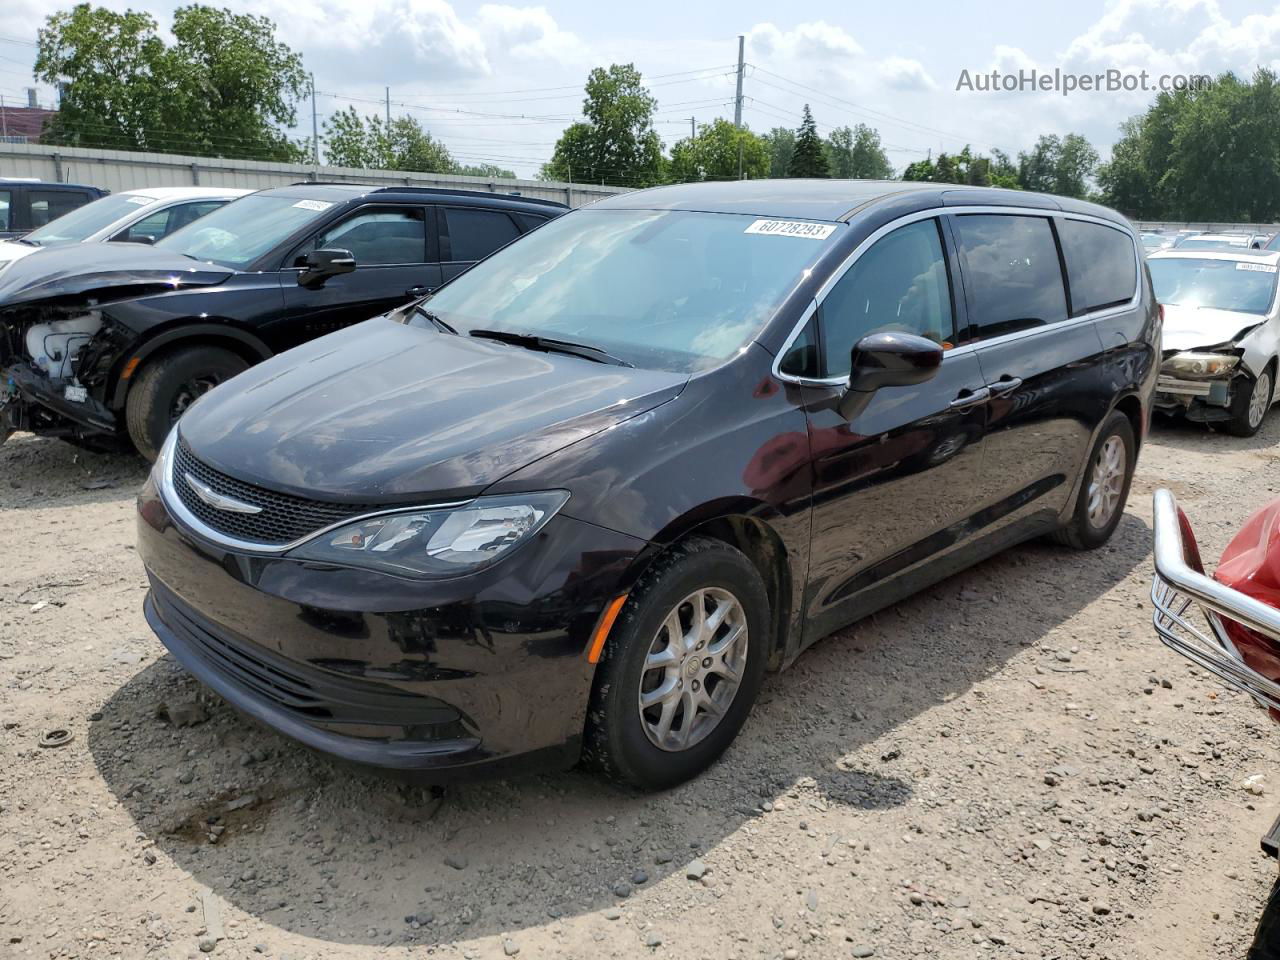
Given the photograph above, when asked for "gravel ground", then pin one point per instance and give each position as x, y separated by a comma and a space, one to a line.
1009, 765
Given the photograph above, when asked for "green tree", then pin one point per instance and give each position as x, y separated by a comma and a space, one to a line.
1061, 165
1003, 172
616, 143
781, 142
367, 142
964, 167
485, 170
224, 87
855, 153
717, 152
808, 159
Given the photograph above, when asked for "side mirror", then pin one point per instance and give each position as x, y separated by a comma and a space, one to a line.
319, 265
887, 360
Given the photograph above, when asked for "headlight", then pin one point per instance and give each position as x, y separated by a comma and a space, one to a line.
436, 543
1199, 366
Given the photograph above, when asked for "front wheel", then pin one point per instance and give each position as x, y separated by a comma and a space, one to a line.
681, 668
1251, 402
170, 384
1100, 503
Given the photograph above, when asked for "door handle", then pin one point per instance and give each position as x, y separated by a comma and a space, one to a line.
418, 291
971, 398
1004, 385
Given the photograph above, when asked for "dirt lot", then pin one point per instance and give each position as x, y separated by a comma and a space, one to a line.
1009, 765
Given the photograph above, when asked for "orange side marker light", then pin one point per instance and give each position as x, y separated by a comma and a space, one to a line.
603, 627
129, 367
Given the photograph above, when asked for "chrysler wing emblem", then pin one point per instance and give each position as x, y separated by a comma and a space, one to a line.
217, 500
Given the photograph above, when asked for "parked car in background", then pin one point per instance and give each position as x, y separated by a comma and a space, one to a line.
28, 204
134, 216
117, 340
578, 500
1212, 241
1221, 334
1151, 242
1273, 243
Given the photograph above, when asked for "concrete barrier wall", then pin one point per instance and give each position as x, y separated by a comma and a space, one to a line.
123, 170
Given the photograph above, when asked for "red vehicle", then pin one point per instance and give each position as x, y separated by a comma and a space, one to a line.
1236, 636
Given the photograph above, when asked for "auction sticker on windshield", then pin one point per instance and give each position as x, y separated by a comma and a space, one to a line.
1257, 267
313, 205
792, 228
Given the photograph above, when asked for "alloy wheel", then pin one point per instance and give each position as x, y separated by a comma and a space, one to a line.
1260, 399
695, 664
190, 392
1106, 482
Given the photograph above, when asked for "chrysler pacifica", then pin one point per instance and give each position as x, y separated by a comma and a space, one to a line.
579, 500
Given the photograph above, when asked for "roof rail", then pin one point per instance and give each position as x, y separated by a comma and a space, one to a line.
441, 191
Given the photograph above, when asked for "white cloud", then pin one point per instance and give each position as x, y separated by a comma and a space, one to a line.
528, 33
815, 40
900, 73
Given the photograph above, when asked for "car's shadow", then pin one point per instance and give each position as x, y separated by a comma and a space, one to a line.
40, 473
325, 852
1181, 434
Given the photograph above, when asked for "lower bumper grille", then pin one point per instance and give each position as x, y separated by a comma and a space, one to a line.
299, 689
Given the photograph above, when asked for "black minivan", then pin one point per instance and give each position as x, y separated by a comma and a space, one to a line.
115, 341
579, 500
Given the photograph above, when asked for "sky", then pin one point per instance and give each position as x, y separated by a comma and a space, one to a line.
498, 82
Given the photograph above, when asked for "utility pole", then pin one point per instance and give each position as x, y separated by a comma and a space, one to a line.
739, 158
4, 119
737, 100
315, 126
388, 111
693, 129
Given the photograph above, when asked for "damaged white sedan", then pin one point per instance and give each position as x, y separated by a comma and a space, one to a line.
1221, 335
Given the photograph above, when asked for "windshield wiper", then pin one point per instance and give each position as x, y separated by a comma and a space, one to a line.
29, 243
422, 311
551, 345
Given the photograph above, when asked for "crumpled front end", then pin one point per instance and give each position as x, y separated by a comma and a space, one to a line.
1209, 357
53, 376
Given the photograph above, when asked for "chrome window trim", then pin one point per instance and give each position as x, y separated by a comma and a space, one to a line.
934, 212
177, 511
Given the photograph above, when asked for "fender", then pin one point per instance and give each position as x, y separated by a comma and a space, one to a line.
747, 525
253, 348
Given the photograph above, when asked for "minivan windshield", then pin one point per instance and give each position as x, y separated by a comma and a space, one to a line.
665, 289
1243, 286
245, 229
83, 222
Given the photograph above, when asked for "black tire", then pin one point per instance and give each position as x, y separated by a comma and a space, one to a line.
616, 742
170, 383
1239, 425
1266, 936
1081, 533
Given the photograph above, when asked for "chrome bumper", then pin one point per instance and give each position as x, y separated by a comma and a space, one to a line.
1179, 583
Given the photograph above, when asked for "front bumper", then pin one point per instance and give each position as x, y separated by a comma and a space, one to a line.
478, 674
1200, 400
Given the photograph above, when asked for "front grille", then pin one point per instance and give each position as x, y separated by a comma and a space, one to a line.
283, 519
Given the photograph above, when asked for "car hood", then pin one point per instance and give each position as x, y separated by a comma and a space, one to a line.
1186, 328
11, 250
387, 412
95, 273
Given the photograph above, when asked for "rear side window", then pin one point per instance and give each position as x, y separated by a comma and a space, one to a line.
1101, 269
6, 206
900, 284
1012, 273
529, 221
48, 205
474, 233
164, 222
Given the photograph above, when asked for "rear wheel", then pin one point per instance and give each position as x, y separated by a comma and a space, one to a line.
168, 385
682, 667
1100, 503
1251, 402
